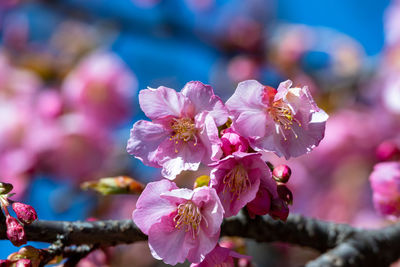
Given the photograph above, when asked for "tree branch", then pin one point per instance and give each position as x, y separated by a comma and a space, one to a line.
345, 245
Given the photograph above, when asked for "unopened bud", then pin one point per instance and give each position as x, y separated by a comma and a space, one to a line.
387, 150
5, 188
279, 209
202, 181
5, 263
114, 185
25, 213
23, 263
29, 252
281, 173
232, 142
261, 204
15, 231
285, 194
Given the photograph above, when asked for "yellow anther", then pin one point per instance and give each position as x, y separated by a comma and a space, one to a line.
236, 181
189, 216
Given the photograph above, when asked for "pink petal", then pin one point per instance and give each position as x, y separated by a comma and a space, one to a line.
178, 196
308, 137
167, 242
203, 98
144, 140
150, 207
252, 123
205, 244
283, 89
209, 137
207, 199
162, 102
176, 158
248, 96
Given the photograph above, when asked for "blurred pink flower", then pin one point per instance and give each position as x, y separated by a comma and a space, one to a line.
97, 258
17, 85
183, 132
49, 104
181, 223
237, 178
79, 150
385, 183
102, 87
285, 121
392, 23
220, 256
391, 93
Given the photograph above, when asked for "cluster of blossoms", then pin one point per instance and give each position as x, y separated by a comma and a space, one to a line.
194, 126
26, 214
62, 131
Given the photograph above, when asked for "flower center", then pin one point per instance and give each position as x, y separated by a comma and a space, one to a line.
184, 129
283, 117
236, 181
189, 217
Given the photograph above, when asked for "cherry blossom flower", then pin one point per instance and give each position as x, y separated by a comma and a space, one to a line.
183, 132
220, 256
181, 223
385, 183
102, 87
237, 179
285, 121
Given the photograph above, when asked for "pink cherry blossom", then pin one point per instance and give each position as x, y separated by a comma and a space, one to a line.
237, 179
184, 130
285, 121
102, 87
220, 256
385, 183
181, 223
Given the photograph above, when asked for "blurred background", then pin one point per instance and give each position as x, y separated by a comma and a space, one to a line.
70, 72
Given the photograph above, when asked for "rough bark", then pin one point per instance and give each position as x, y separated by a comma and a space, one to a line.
341, 244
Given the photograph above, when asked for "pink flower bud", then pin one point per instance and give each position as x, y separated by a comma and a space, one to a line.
387, 150
285, 194
281, 173
25, 213
23, 263
261, 204
232, 142
15, 231
5, 263
279, 209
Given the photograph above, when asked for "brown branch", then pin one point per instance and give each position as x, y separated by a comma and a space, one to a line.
346, 246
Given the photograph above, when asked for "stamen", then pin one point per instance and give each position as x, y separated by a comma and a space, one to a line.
184, 130
283, 117
189, 216
236, 181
